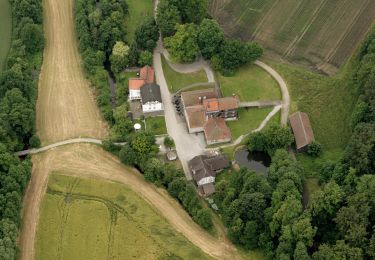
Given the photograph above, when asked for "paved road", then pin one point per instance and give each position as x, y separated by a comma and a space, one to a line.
190, 67
187, 145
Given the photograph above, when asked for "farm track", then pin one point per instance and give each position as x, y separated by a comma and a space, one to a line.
66, 109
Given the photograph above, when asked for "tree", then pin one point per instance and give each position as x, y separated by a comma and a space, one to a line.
168, 142
127, 155
176, 187
203, 218
210, 38
33, 37
257, 142
278, 137
300, 252
314, 149
34, 141
147, 34
167, 17
119, 58
339, 251
233, 54
360, 151
183, 45
145, 58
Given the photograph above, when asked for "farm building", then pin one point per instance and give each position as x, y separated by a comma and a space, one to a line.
302, 130
205, 112
204, 169
151, 98
144, 90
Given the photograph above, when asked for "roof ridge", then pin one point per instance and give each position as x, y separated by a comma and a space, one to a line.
303, 126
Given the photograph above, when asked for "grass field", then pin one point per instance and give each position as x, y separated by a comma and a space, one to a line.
177, 80
249, 119
139, 10
91, 219
250, 83
328, 101
5, 30
319, 34
156, 125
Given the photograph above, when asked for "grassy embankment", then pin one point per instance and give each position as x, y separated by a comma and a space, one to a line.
138, 12
5, 30
88, 218
328, 101
176, 80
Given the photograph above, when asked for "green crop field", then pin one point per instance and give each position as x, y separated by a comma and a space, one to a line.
92, 219
176, 80
139, 10
5, 30
250, 83
319, 34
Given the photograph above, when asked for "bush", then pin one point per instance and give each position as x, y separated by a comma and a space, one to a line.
168, 142
314, 149
145, 58
35, 141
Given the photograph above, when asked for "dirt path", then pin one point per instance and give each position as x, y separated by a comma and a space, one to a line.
85, 160
66, 107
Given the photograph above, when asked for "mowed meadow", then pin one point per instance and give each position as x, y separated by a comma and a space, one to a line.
92, 219
319, 34
5, 30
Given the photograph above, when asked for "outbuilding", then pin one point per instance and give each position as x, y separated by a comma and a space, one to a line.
302, 130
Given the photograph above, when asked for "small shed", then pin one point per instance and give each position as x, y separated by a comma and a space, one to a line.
302, 130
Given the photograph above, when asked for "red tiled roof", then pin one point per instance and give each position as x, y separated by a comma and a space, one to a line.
216, 130
302, 130
196, 116
136, 84
228, 103
147, 73
211, 104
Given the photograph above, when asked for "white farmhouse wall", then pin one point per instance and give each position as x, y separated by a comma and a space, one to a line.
152, 107
134, 94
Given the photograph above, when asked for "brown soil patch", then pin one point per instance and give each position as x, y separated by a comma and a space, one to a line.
66, 106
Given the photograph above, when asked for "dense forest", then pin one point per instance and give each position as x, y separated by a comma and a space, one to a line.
339, 221
18, 93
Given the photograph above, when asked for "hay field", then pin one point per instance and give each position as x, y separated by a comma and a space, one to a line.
5, 30
92, 219
319, 34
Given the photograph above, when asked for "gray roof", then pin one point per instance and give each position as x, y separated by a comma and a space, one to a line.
203, 166
150, 93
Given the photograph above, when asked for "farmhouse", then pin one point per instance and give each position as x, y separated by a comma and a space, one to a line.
204, 169
205, 112
145, 90
302, 130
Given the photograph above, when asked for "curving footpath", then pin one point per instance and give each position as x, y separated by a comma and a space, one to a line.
284, 90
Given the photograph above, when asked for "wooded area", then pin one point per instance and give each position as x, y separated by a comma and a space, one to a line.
18, 93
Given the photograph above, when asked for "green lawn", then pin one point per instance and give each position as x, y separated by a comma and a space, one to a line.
249, 119
177, 80
139, 10
92, 219
5, 30
328, 101
310, 187
250, 83
156, 125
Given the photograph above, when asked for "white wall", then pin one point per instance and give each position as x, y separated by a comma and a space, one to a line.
152, 106
134, 94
